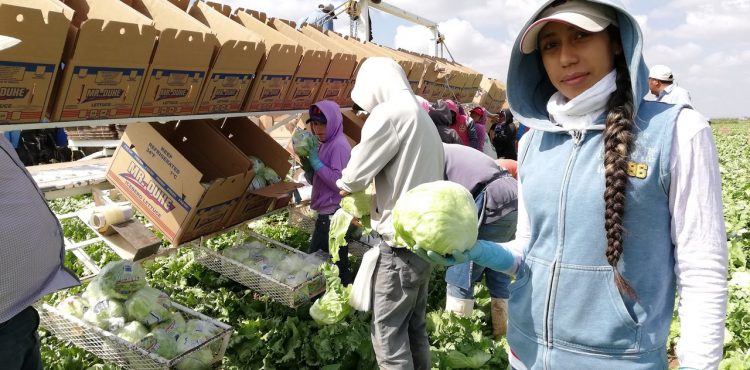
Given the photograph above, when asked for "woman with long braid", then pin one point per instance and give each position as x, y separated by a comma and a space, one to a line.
619, 205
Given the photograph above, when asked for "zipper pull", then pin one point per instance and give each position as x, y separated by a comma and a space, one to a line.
577, 136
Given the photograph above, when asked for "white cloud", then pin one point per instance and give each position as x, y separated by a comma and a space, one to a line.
467, 45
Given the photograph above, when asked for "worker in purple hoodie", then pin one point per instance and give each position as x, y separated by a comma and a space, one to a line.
324, 167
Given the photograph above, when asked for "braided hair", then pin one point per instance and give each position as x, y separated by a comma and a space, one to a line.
618, 141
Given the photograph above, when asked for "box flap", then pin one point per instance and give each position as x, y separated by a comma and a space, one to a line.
252, 140
41, 25
278, 190
179, 32
353, 124
111, 33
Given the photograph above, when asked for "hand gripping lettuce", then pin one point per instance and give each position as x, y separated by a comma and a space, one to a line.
438, 216
353, 206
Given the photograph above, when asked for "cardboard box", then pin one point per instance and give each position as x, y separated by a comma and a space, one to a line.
491, 95
108, 51
355, 46
428, 75
353, 124
340, 73
251, 140
28, 70
274, 77
234, 65
179, 63
415, 69
340, 68
312, 66
186, 178
359, 57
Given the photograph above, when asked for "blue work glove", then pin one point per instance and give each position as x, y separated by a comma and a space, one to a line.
314, 160
485, 253
435, 258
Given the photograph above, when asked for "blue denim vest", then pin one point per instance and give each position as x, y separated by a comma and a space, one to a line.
565, 310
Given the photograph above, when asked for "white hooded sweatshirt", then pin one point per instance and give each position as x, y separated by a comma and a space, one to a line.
399, 147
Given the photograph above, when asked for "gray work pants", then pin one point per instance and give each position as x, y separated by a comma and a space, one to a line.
399, 330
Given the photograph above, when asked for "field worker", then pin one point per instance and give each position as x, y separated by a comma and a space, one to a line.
322, 169
399, 150
504, 135
442, 117
458, 121
496, 195
619, 206
323, 17
661, 84
423, 103
32, 253
478, 117
509, 165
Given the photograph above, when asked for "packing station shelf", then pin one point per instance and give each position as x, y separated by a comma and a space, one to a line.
125, 121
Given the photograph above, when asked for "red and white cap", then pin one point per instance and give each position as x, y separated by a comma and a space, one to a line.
586, 15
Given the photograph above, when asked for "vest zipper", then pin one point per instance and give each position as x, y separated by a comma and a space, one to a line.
577, 136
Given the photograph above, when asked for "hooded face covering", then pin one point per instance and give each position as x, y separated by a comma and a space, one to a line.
529, 88
378, 81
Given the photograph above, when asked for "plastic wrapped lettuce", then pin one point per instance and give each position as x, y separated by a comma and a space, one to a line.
198, 360
303, 142
122, 278
268, 175
160, 342
333, 306
74, 306
239, 253
133, 332
149, 306
199, 329
174, 324
439, 216
107, 314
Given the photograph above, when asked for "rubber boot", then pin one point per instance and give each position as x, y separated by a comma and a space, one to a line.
459, 306
499, 317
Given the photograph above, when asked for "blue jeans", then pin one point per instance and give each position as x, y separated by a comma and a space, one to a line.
320, 242
461, 278
19, 342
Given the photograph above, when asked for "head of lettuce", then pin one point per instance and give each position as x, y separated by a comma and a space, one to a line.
438, 216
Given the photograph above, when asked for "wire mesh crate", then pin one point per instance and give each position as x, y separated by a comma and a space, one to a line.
281, 292
303, 217
110, 347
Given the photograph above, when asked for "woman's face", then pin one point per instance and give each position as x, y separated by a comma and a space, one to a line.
575, 59
319, 130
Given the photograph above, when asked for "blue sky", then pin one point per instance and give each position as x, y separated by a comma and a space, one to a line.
704, 42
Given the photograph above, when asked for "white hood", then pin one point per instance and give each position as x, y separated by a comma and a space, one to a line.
378, 81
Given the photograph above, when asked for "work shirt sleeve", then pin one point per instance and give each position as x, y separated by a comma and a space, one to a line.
699, 236
378, 145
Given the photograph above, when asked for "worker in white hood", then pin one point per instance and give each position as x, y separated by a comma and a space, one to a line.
399, 149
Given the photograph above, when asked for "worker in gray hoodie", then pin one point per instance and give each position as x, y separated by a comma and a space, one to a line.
399, 150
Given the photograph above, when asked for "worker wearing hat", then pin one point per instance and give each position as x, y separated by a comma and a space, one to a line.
661, 84
323, 17
31, 257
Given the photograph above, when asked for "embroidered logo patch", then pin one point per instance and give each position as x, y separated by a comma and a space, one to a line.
639, 170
